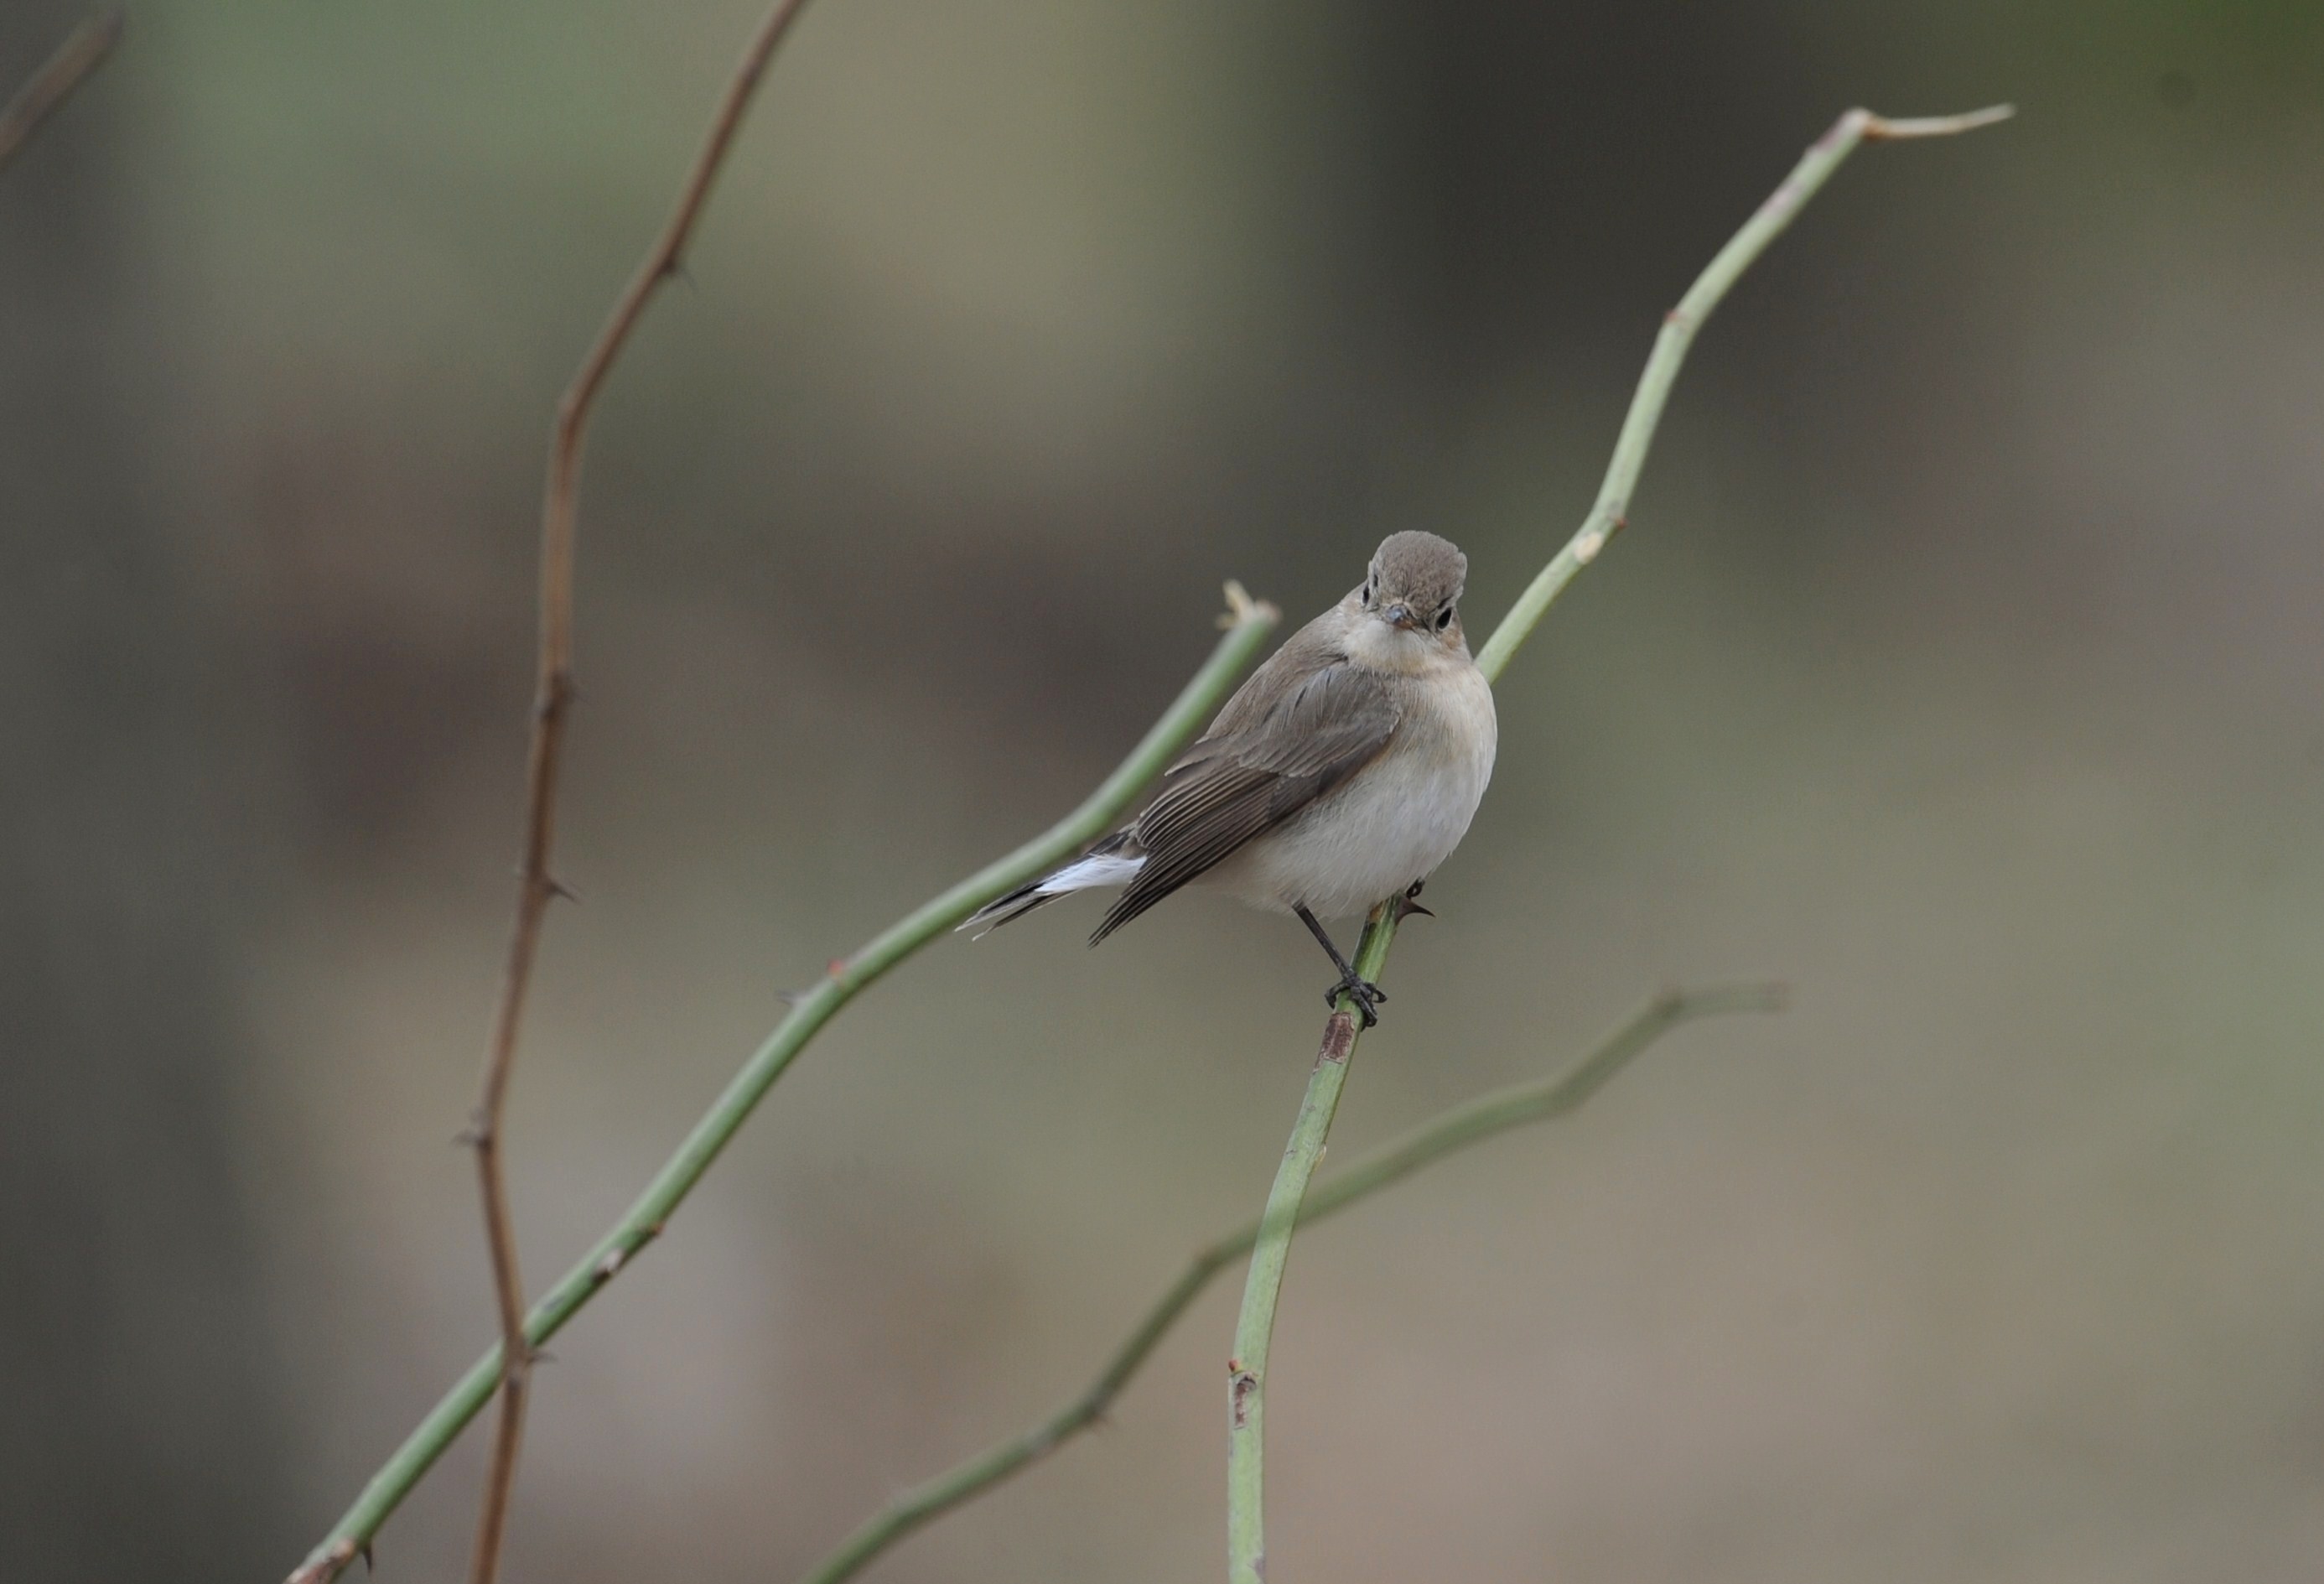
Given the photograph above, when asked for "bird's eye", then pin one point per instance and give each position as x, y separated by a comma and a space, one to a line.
1444, 619
1368, 590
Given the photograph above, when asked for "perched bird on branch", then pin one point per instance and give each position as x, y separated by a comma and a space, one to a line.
1342, 773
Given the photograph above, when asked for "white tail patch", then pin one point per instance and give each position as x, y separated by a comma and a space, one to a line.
1082, 875
1090, 873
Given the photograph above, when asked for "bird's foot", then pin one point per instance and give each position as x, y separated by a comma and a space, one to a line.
1366, 995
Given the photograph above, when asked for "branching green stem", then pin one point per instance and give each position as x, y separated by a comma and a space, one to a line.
1478, 1120
1248, 624
1246, 1526
1610, 515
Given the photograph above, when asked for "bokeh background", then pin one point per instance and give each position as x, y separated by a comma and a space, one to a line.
1963, 668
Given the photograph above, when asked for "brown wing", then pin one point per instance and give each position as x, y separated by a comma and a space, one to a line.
1305, 722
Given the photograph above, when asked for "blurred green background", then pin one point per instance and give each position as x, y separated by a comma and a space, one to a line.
1963, 668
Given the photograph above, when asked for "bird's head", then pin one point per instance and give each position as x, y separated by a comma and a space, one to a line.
1414, 587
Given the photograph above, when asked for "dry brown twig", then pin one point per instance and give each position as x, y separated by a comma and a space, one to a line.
552, 702
82, 53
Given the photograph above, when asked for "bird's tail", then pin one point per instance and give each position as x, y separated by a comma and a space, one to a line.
1111, 862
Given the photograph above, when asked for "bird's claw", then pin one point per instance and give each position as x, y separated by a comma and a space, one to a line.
1366, 995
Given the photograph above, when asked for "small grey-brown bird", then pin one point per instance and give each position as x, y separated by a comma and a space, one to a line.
1343, 771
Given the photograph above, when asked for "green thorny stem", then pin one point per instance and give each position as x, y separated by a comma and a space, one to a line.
352, 1536
1247, 623
1539, 1100
1246, 1370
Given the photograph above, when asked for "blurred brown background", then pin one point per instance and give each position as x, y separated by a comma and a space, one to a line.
1963, 668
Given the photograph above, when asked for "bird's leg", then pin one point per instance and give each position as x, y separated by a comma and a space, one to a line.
1368, 995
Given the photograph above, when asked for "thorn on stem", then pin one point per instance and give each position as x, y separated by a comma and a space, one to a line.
328, 1565
1410, 903
617, 1258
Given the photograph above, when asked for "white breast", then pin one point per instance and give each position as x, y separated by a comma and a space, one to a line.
1393, 822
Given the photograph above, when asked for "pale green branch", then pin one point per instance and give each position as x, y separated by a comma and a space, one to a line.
1248, 624
1457, 1129
1610, 516
1246, 1526
1263, 1282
